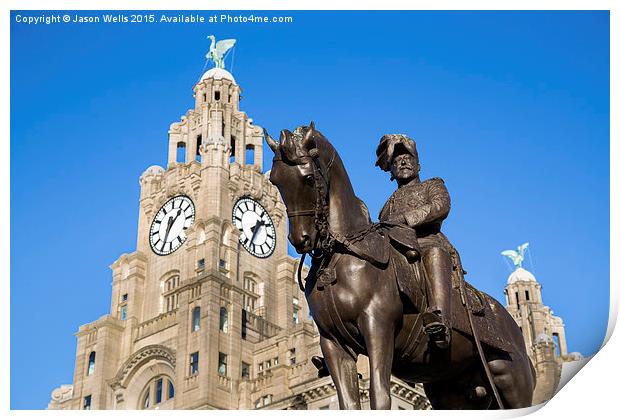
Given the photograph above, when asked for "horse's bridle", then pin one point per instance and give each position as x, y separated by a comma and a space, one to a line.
321, 203
321, 207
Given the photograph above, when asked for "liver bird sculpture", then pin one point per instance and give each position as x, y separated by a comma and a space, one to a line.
218, 50
518, 255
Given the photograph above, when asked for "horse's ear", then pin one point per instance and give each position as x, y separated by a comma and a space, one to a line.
284, 134
312, 125
273, 145
308, 142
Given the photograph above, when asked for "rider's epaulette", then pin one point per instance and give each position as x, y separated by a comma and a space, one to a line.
435, 179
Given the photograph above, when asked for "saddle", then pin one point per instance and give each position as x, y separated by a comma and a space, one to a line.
385, 242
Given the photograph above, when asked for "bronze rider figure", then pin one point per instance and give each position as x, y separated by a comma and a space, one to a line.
423, 206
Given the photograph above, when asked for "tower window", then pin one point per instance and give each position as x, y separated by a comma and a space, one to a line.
244, 322
196, 318
245, 371
147, 399
517, 299
204, 97
201, 264
125, 297
249, 154
223, 319
170, 389
91, 363
198, 144
217, 95
222, 263
87, 401
193, 363
295, 311
159, 388
123, 312
527, 295
221, 365
180, 152
232, 148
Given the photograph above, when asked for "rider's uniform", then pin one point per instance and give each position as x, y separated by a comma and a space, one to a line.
424, 206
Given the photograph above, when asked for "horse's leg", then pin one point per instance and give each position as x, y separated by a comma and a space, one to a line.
378, 334
514, 381
343, 371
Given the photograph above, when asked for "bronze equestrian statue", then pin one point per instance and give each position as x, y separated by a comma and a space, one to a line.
382, 289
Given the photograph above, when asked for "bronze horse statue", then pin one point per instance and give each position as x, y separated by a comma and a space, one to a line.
359, 308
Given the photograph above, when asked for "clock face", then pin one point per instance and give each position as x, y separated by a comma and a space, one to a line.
258, 235
168, 228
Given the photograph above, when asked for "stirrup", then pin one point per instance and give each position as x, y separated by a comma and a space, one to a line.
320, 365
438, 332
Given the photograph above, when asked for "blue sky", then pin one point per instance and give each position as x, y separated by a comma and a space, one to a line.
510, 108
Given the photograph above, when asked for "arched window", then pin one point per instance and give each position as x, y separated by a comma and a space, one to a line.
223, 319
249, 154
196, 318
158, 392
232, 148
91, 363
198, 144
180, 152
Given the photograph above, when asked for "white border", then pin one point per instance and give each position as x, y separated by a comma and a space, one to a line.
591, 394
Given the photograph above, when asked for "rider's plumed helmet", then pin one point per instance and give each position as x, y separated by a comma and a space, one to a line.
389, 146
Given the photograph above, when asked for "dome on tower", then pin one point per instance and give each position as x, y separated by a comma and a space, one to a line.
543, 338
521, 274
153, 170
217, 74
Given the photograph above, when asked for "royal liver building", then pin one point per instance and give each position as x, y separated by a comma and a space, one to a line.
206, 312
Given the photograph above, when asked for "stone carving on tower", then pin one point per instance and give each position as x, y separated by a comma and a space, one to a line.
543, 331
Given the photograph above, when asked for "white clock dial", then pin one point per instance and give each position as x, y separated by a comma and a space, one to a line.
167, 232
258, 235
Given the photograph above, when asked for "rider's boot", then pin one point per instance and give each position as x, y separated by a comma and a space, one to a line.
438, 266
437, 329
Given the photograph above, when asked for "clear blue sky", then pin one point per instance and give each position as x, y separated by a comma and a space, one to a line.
510, 108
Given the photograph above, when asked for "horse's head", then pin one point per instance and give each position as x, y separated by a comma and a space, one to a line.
300, 171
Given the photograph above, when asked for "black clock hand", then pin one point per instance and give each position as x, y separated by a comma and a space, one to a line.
171, 221
255, 230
